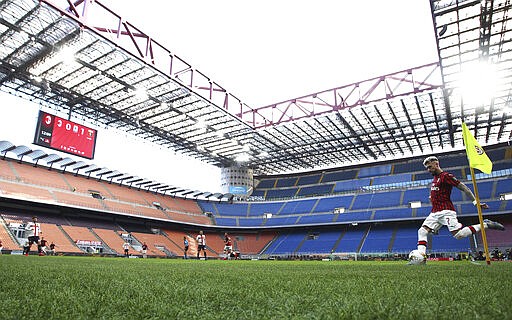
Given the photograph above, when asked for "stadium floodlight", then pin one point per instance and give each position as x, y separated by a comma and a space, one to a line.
37, 79
201, 124
477, 83
66, 55
243, 157
141, 94
415, 204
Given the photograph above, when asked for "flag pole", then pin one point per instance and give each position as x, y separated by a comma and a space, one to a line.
480, 217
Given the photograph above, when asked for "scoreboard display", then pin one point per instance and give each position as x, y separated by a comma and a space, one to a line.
64, 135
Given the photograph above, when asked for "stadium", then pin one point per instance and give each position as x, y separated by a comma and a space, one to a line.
322, 194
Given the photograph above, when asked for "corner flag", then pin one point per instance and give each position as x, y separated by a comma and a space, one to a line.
476, 155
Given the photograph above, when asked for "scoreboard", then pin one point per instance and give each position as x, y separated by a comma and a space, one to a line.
64, 135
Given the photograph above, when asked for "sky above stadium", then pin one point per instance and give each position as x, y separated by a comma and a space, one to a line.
262, 52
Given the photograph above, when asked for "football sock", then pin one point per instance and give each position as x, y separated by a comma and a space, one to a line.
466, 231
422, 240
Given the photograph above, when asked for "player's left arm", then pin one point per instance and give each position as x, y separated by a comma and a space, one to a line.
462, 187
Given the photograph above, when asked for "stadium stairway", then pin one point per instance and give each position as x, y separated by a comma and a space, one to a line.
67, 235
392, 240
269, 244
297, 248
106, 248
176, 240
9, 242
338, 241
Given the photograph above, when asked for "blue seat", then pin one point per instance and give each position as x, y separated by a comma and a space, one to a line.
420, 194
392, 179
286, 243
354, 216
266, 183
286, 182
377, 200
281, 193
316, 218
352, 185
329, 204
298, 206
226, 221
256, 209
232, 209
378, 239
304, 180
351, 240
398, 213
207, 206
323, 244
373, 171
250, 222
406, 239
321, 189
445, 241
281, 221
339, 176
411, 166
503, 186
258, 193
423, 211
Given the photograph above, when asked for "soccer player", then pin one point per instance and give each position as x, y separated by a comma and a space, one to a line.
228, 246
185, 247
144, 250
52, 248
33, 230
126, 247
443, 212
43, 244
201, 244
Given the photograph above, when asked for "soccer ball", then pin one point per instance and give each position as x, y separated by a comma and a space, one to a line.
416, 257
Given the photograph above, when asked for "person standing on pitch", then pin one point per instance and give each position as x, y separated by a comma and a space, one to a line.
201, 244
228, 246
126, 248
144, 250
33, 230
443, 212
52, 248
185, 247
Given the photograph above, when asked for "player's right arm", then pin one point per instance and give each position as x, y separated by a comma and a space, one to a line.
469, 194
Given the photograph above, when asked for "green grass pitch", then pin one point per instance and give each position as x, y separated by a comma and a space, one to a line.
115, 288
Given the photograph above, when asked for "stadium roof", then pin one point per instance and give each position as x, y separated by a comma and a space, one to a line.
82, 59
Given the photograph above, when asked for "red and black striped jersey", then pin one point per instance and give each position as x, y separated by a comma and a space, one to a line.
441, 190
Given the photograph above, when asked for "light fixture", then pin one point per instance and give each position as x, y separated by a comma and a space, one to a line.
477, 82
415, 204
242, 157
141, 94
66, 55
339, 210
506, 196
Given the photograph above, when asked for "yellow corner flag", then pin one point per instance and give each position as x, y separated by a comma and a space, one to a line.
476, 155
